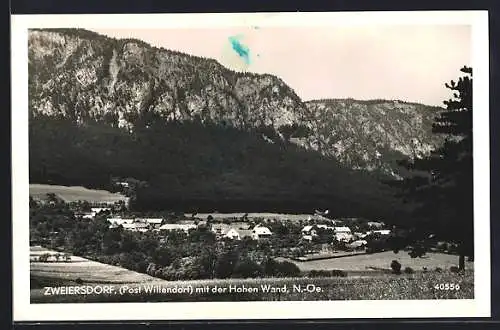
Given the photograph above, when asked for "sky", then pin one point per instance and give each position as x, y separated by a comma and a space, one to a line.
405, 62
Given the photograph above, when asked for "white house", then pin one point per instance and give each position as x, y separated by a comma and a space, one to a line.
176, 226
375, 224
119, 221
310, 231
220, 229
141, 226
343, 234
232, 233
261, 232
97, 210
88, 215
358, 243
154, 223
382, 232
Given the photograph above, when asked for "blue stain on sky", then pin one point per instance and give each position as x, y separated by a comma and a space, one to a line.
242, 50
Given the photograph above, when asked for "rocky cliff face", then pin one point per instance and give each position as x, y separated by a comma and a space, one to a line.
372, 135
87, 77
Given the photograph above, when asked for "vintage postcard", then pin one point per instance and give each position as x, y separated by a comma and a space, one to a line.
250, 166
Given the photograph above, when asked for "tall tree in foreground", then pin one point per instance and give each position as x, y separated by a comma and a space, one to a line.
441, 185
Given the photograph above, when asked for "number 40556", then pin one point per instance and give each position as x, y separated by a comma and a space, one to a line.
447, 286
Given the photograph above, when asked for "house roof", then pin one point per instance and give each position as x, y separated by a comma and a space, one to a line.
262, 231
342, 229
222, 227
232, 232
120, 220
383, 231
307, 228
176, 226
99, 209
152, 220
360, 242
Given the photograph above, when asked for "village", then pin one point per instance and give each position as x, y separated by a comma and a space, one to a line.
352, 233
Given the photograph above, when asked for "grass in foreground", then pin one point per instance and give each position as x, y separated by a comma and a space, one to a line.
390, 287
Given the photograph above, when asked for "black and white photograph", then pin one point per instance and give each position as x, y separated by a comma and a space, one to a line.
273, 160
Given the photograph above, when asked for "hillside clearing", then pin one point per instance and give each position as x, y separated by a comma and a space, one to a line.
75, 193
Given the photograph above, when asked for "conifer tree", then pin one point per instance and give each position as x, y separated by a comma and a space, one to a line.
441, 184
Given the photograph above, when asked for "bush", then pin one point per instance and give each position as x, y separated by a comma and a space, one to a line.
79, 281
319, 273
338, 273
438, 270
326, 273
280, 268
409, 270
454, 269
286, 268
396, 267
247, 268
417, 252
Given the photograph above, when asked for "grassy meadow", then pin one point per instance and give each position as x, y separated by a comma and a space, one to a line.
382, 260
75, 193
131, 286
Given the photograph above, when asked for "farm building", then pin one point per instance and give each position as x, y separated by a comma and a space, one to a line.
153, 223
261, 232
120, 221
220, 229
177, 226
85, 215
375, 224
310, 231
232, 234
358, 243
136, 226
237, 234
236, 230
97, 210
343, 234
382, 232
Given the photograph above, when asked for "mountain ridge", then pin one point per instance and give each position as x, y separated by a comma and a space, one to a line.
119, 80
197, 135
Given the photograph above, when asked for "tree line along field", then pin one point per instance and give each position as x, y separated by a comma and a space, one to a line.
378, 285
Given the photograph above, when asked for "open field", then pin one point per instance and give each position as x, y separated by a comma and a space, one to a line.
87, 271
71, 194
381, 261
129, 286
278, 216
